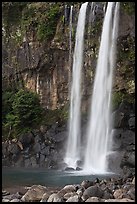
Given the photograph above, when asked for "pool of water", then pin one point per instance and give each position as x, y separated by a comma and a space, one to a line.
53, 178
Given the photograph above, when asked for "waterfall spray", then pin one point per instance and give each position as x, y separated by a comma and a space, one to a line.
73, 143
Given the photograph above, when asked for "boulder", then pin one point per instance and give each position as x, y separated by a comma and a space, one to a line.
26, 139
35, 193
73, 199
120, 193
70, 188
55, 198
69, 169
92, 191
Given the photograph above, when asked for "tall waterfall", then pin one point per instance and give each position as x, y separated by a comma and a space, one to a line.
99, 127
73, 143
70, 46
70, 35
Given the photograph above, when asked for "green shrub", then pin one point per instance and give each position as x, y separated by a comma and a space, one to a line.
47, 26
23, 114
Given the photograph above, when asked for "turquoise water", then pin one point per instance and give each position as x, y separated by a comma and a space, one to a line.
51, 178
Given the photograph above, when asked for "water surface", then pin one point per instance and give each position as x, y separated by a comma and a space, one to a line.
12, 177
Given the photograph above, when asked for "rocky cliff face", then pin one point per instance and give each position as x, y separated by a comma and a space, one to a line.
43, 67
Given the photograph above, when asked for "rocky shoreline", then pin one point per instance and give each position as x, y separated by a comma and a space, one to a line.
121, 189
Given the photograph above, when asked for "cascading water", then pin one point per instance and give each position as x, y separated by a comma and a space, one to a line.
70, 35
70, 46
73, 143
99, 127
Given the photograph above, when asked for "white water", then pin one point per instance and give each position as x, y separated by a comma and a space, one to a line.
100, 124
73, 143
70, 48
70, 36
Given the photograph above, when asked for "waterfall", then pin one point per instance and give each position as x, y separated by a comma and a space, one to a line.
73, 143
70, 35
99, 127
70, 46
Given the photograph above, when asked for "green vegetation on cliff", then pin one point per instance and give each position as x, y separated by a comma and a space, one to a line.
21, 112
22, 17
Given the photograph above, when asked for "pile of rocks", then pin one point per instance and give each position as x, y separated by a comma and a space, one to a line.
106, 190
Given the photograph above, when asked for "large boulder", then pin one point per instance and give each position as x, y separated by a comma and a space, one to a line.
35, 193
92, 191
120, 193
